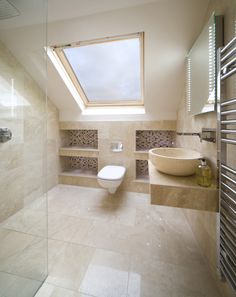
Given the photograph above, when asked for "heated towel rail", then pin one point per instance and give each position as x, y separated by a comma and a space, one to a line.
227, 161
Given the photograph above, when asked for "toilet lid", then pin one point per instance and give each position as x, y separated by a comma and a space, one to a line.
111, 172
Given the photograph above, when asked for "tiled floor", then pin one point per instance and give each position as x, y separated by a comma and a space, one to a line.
23, 251
120, 246
117, 246
23, 257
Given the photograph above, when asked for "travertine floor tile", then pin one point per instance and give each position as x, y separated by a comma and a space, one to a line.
23, 255
73, 199
107, 275
93, 205
105, 245
12, 285
29, 221
69, 266
145, 287
55, 249
105, 236
67, 228
192, 281
149, 276
48, 290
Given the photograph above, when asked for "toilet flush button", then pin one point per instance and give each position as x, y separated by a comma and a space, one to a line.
116, 146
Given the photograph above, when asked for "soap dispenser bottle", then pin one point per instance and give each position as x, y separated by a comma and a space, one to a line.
204, 174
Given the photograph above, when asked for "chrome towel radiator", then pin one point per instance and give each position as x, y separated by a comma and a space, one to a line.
227, 161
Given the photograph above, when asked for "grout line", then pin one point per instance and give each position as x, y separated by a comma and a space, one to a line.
90, 246
24, 232
64, 288
24, 277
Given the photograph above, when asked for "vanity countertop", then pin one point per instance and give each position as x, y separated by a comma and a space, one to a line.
183, 192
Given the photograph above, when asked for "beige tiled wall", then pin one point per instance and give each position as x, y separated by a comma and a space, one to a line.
125, 132
31, 155
188, 123
204, 224
53, 139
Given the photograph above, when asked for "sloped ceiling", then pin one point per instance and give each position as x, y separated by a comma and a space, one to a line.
62, 10
33, 12
170, 27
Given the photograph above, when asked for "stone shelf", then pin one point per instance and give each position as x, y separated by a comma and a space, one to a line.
183, 192
78, 152
141, 155
142, 179
79, 172
79, 177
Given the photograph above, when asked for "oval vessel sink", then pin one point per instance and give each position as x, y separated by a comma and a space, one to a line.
175, 161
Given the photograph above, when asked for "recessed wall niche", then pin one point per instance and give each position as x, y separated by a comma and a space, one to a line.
80, 165
80, 138
148, 139
142, 170
107, 132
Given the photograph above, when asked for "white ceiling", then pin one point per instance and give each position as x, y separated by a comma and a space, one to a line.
170, 26
35, 11
62, 10
31, 12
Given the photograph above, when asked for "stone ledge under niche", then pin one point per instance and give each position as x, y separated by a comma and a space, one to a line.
76, 178
79, 171
78, 152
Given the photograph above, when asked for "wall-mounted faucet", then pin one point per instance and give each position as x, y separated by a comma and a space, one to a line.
207, 134
190, 134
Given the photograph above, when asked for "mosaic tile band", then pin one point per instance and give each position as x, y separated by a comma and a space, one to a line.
83, 138
148, 139
142, 168
84, 163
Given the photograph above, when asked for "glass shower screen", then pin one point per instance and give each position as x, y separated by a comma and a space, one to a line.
23, 205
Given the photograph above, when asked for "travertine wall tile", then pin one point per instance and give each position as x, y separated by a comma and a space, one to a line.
78, 181
29, 162
204, 224
126, 133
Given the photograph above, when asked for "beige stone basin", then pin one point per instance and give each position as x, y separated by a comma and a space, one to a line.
175, 161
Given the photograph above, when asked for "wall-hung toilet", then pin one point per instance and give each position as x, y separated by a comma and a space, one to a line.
110, 177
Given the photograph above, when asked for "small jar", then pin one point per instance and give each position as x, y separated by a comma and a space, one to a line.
204, 174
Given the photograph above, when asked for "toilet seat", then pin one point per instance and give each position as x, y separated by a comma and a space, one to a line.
111, 172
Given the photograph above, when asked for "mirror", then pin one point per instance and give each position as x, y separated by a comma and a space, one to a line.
202, 68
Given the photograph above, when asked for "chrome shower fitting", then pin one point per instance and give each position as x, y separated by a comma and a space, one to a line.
207, 134
190, 134
5, 135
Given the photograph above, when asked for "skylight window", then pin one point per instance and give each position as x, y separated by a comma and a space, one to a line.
105, 72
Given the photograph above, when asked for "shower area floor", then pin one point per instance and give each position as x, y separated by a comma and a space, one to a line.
110, 246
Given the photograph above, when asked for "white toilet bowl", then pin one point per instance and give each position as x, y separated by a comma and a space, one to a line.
110, 177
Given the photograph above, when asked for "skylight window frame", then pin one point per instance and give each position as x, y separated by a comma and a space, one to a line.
58, 51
